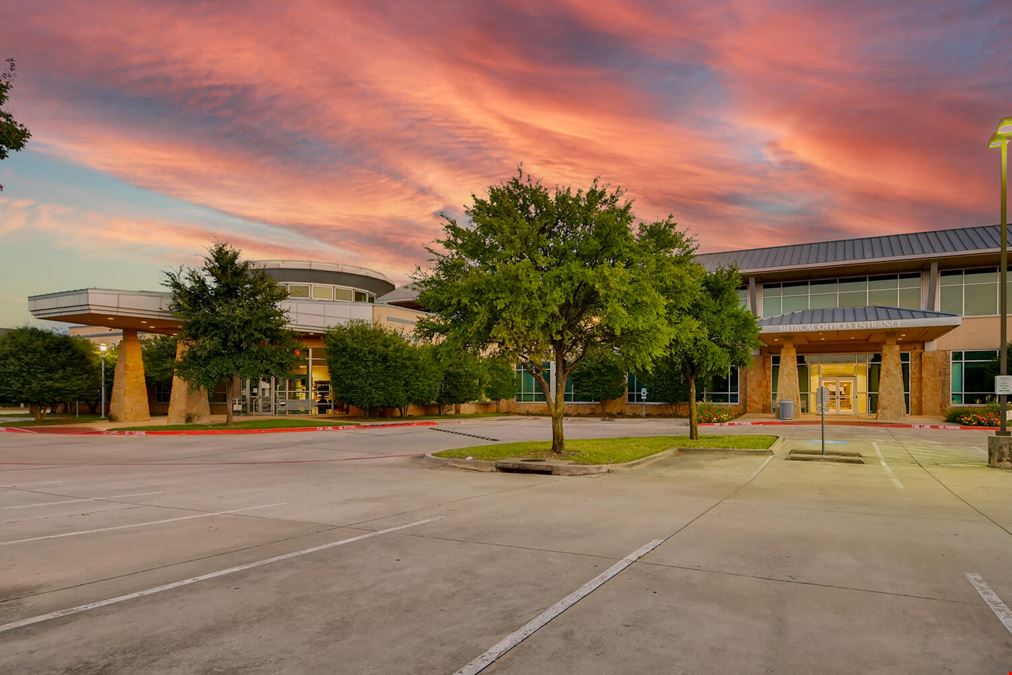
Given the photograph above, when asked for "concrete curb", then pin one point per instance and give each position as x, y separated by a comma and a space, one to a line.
519, 465
56, 430
881, 425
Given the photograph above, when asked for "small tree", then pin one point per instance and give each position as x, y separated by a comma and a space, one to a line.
13, 135
422, 377
369, 366
549, 275
461, 377
231, 321
43, 369
600, 378
499, 380
718, 334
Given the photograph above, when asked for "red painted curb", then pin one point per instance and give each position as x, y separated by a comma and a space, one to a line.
16, 430
880, 425
79, 431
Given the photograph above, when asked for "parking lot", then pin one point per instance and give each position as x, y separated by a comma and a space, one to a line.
345, 551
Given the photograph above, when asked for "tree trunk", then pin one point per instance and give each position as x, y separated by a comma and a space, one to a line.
229, 393
38, 412
558, 410
604, 413
693, 425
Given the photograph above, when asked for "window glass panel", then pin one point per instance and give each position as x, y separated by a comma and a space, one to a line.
952, 299
344, 294
795, 303
825, 286
822, 300
980, 299
853, 299
298, 291
980, 355
361, 297
910, 281
323, 292
910, 298
882, 297
795, 289
988, 276
771, 306
851, 285
952, 278
882, 283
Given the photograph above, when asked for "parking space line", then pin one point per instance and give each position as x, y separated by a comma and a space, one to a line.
28, 485
149, 522
888, 469
538, 622
999, 608
82, 499
204, 577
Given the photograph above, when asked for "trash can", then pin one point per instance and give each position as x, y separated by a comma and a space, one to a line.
785, 409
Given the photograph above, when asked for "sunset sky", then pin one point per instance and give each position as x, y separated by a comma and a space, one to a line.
339, 131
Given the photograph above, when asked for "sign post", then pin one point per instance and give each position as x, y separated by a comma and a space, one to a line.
822, 396
643, 400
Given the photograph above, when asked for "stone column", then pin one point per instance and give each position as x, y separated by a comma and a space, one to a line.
129, 400
787, 380
891, 405
187, 405
757, 385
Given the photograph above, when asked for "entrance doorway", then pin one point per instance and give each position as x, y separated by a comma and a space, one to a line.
841, 394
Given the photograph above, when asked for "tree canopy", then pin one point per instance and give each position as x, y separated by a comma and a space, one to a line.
231, 321
498, 380
461, 376
159, 355
43, 368
13, 135
717, 333
538, 274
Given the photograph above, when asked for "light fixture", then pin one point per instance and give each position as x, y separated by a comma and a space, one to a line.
110, 318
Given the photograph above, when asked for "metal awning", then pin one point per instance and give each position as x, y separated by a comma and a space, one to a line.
856, 324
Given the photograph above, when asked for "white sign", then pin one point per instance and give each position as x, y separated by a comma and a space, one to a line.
822, 398
643, 393
1003, 384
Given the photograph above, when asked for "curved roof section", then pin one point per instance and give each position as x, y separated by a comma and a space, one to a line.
913, 245
402, 296
306, 271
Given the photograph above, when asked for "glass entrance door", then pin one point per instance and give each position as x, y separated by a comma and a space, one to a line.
841, 394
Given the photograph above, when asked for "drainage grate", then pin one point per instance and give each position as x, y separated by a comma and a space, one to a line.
461, 433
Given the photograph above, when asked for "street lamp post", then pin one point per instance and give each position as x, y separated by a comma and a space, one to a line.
102, 348
1000, 448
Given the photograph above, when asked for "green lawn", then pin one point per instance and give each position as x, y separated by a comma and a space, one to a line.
50, 420
264, 423
607, 450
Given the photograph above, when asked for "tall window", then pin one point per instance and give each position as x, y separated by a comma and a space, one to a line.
972, 376
890, 290
529, 390
722, 389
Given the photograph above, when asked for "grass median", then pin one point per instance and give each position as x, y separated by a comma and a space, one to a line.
606, 450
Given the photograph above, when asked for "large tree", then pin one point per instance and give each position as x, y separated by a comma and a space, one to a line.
538, 275
601, 377
43, 369
13, 135
232, 322
717, 334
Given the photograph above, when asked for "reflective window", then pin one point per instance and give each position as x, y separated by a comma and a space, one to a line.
323, 292
972, 376
722, 389
971, 292
344, 294
298, 291
891, 290
529, 390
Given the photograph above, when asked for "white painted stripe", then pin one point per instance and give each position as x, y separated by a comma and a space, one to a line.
27, 485
148, 522
83, 499
203, 577
532, 626
888, 469
999, 608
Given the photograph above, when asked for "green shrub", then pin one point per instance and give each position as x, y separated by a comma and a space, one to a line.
709, 413
975, 416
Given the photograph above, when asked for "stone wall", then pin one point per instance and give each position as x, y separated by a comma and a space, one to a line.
934, 382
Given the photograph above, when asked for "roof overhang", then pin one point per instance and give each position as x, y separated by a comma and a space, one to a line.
146, 311
904, 330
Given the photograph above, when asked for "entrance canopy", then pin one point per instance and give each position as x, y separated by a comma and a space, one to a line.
145, 311
854, 325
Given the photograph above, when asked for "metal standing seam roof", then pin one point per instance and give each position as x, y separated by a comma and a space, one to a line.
840, 315
982, 239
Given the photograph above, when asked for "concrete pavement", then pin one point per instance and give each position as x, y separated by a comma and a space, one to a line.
765, 566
